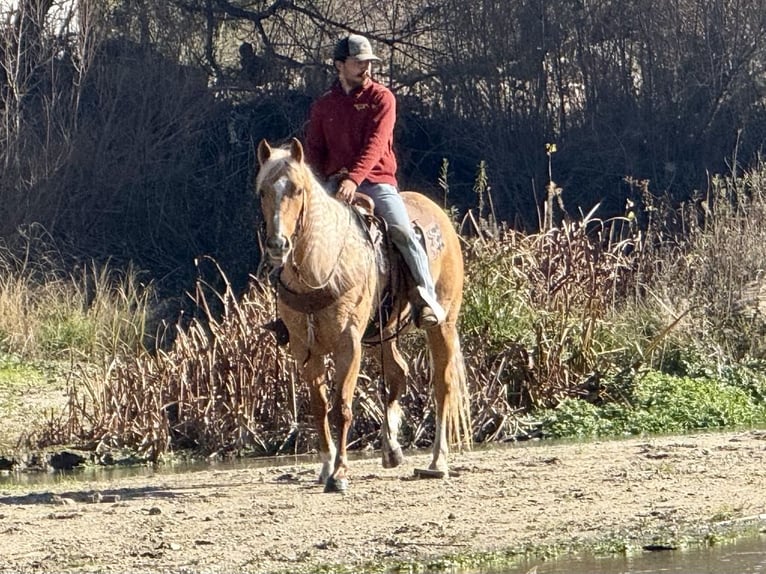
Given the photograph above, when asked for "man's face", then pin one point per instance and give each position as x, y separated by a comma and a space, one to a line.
353, 73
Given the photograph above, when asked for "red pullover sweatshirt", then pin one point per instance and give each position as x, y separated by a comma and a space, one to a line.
354, 132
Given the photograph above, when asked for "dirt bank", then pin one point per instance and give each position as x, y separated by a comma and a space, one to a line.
277, 519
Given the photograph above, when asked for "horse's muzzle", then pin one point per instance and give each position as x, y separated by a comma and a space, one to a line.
277, 248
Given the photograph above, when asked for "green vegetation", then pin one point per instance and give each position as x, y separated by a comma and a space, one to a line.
652, 322
15, 372
659, 403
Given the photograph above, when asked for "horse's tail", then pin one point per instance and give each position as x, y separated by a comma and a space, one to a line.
459, 426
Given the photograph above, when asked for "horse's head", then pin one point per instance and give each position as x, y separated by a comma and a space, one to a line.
282, 186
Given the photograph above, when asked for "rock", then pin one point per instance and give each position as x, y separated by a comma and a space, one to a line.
98, 497
65, 460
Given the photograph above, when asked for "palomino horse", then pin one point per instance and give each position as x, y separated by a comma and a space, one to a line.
329, 284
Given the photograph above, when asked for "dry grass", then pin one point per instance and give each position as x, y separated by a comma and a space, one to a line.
220, 387
224, 387
537, 304
46, 313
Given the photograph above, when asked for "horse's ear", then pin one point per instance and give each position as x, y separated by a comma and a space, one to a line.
263, 152
296, 150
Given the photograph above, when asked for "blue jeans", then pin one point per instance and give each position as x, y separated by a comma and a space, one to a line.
389, 206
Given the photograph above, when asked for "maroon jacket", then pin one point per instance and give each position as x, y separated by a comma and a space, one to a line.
354, 132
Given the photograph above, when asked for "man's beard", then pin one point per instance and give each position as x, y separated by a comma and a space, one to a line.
358, 81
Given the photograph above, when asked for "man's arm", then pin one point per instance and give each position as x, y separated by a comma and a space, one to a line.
379, 139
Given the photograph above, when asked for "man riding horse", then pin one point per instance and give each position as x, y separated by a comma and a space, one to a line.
349, 142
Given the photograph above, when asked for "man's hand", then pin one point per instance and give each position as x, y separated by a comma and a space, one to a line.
346, 190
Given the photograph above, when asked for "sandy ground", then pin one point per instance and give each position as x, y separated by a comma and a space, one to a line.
274, 519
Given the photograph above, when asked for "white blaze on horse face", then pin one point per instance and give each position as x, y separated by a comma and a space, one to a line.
280, 189
278, 245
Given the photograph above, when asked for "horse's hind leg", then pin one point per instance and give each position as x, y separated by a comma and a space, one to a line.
394, 370
448, 378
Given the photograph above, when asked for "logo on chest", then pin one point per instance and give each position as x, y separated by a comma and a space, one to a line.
361, 107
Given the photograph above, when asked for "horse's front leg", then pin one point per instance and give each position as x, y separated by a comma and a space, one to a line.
314, 372
348, 358
395, 371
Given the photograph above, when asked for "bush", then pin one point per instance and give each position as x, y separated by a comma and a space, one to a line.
659, 403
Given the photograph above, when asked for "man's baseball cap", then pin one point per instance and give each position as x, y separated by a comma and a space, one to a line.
354, 47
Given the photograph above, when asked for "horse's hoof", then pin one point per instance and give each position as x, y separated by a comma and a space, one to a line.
336, 485
393, 458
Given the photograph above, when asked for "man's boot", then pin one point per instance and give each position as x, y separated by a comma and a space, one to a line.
430, 313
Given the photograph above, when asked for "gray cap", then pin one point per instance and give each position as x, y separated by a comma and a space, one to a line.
355, 47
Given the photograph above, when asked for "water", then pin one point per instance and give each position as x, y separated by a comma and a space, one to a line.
117, 472
746, 556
